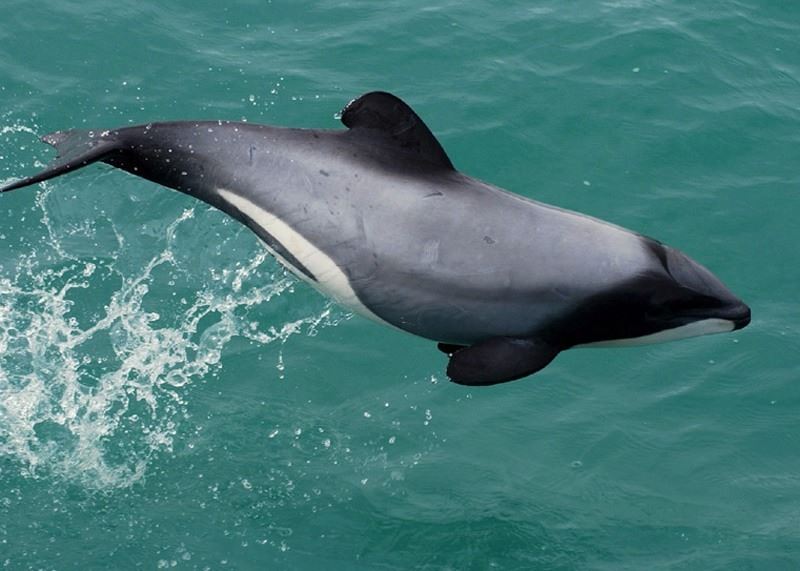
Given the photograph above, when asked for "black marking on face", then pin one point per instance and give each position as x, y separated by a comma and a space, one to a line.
634, 308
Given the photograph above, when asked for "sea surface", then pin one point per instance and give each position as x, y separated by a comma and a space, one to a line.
171, 398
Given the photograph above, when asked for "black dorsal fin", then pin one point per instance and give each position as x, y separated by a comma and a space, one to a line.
388, 114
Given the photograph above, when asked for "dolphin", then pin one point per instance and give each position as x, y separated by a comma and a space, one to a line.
378, 218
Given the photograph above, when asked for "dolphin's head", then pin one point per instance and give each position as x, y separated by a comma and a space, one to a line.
675, 299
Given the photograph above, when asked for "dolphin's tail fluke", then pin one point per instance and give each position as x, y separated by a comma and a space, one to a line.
76, 149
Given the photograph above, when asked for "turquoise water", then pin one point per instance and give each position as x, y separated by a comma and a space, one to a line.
171, 398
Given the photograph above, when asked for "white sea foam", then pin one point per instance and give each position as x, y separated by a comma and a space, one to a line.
91, 398
5, 129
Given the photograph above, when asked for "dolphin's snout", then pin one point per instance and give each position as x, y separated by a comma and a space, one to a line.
740, 316
720, 303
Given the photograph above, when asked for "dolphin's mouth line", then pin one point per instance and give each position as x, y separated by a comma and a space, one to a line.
742, 321
739, 315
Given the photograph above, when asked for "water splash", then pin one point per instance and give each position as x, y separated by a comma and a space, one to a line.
91, 399
6, 129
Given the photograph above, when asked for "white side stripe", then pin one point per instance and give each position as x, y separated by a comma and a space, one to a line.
331, 280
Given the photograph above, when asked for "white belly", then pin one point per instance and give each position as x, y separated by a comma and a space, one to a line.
695, 329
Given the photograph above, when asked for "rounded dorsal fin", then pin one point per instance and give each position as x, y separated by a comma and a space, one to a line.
388, 114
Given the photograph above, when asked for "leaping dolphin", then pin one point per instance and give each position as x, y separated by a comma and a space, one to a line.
377, 217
